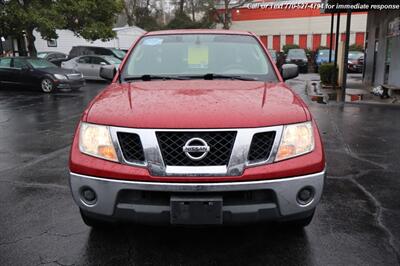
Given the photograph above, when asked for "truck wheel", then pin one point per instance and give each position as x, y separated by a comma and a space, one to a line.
94, 222
299, 223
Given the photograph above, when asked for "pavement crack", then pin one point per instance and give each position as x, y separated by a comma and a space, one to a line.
37, 160
47, 232
22, 239
378, 217
35, 184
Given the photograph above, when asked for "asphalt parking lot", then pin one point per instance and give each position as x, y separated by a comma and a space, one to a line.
357, 222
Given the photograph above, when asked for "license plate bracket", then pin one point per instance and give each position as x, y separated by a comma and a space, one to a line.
196, 210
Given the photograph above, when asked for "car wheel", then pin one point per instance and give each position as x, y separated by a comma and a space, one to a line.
93, 222
47, 85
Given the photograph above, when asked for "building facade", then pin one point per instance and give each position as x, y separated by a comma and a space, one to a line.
382, 59
306, 27
125, 37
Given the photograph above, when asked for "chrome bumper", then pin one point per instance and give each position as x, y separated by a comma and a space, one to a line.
285, 189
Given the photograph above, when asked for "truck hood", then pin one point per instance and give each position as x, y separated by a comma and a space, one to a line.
196, 104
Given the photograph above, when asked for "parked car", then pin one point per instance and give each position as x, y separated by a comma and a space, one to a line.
94, 50
273, 54
199, 128
322, 57
89, 65
54, 57
355, 61
298, 57
38, 72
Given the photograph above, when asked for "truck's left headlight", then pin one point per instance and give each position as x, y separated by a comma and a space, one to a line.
297, 139
96, 140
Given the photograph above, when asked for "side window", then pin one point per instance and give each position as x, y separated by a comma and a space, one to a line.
5, 62
19, 63
98, 61
103, 51
84, 60
51, 57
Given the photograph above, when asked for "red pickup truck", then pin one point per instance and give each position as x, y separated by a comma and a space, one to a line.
197, 128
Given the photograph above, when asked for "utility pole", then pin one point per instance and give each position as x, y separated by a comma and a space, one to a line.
346, 54
331, 39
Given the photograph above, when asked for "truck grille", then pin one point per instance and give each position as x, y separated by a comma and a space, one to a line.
131, 147
261, 146
220, 143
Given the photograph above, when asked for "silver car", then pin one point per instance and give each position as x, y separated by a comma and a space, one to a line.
89, 65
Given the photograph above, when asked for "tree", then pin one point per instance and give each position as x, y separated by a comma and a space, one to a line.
90, 19
287, 47
356, 47
142, 13
225, 17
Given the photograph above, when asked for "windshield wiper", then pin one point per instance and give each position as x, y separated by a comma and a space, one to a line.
152, 77
211, 76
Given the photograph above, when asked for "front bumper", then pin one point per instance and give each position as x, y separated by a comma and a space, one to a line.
70, 84
282, 205
355, 68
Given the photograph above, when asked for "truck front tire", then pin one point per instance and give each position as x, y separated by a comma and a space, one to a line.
94, 222
299, 223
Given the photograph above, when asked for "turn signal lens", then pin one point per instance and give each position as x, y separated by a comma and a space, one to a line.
96, 140
297, 139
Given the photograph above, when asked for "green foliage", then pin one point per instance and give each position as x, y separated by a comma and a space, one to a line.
91, 19
328, 73
183, 21
287, 47
356, 47
323, 48
145, 20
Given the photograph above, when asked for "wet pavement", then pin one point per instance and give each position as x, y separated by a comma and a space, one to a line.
356, 223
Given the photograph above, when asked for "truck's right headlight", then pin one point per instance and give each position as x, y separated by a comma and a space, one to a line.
297, 139
96, 140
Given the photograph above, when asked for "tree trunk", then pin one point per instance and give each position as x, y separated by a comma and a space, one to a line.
226, 15
129, 17
31, 42
181, 5
193, 11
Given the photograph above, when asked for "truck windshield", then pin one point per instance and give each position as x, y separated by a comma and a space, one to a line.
199, 55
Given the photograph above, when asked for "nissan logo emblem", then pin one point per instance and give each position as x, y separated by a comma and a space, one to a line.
196, 149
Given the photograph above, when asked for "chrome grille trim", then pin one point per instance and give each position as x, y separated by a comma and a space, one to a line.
237, 163
74, 76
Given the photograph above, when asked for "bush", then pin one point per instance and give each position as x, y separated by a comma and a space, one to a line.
356, 47
287, 47
323, 48
328, 73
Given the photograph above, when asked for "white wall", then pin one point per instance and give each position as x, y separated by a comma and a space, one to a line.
66, 39
303, 25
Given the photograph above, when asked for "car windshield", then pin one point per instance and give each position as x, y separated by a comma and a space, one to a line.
355, 55
325, 53
40, 63
42, 55
297, 53
119, 53
190, 55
